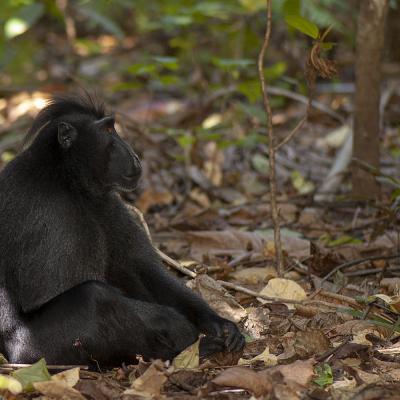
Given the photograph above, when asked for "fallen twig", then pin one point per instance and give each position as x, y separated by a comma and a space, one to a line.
358, 261
167, 259
50, 367
250, 292
371, 271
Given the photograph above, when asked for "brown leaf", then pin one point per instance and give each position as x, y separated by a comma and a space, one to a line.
98, 389
299, 372
285, 289
151, 382
234, 242
58, 390
222, 358
70, 377
152, 197
254, 275
391, 284
245, 379
311, 342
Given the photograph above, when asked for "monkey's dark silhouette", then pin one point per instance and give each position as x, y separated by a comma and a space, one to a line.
79, 279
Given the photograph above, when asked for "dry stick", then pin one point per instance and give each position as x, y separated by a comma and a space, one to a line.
299, 124
271, 147
51, 367
250, 292
296, 128
358, 261
372, 271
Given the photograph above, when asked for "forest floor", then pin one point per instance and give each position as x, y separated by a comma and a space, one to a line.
329, 329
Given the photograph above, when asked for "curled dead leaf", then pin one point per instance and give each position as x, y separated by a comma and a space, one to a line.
245, 378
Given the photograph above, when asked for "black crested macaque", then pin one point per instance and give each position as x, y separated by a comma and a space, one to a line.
79, 280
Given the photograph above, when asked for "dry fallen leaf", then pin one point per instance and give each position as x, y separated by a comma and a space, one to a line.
266, 357
151, 382
58, 390
151, 197
298, 373
61, 385
70, 377
254, 275
284, 289
310, 342
188, 358
391, 284
100, 389
245, 379
344, 384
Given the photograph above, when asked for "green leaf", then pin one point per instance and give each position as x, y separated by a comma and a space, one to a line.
23, 20
327, 45
303, 25
177, 20
167, 80
345, 239
252, 5
168, 62
325, 376
291, 7
395, 194
251, 89
275, 71
142, 69
350, 311
301, 184
185, 141
119, 87
35, 373
232, 63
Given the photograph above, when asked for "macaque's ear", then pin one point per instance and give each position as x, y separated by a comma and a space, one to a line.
66, 135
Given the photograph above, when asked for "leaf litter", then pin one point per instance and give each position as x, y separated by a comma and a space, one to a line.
317, 336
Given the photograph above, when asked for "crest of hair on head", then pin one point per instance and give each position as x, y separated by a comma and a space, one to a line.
64, 104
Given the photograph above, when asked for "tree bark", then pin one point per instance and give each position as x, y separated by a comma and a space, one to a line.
369, 49
393, 34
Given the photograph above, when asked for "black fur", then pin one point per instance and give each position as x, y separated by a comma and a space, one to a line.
79, 279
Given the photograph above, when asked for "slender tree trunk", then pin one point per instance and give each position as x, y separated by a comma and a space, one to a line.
369, 48
393, 34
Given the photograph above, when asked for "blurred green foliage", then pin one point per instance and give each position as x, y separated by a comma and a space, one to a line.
224, 34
